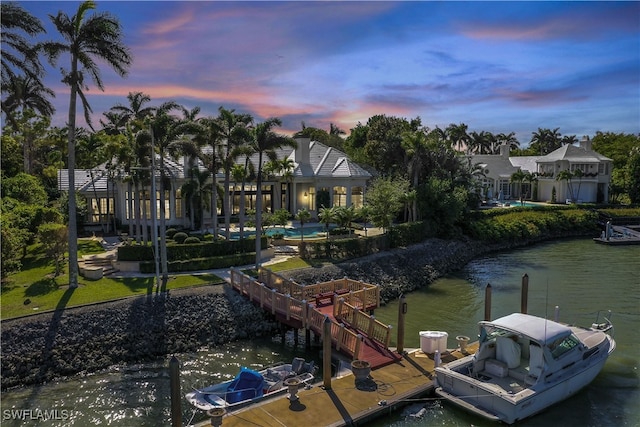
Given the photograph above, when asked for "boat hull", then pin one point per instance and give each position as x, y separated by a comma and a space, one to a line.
481, 399
500, 383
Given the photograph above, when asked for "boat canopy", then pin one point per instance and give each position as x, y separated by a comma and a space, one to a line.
538, 329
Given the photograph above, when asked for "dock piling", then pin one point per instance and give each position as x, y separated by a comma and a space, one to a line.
326, 352
487, 302
402, 310
524, 296
176, 398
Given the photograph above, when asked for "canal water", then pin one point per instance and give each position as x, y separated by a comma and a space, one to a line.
578, 276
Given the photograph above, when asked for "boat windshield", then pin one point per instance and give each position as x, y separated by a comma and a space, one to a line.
562, 345
489, 332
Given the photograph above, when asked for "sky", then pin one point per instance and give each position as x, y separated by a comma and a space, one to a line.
495, 66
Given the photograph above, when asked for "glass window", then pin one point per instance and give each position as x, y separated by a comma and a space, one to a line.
562, 345
312, 199
356, 196
339, 196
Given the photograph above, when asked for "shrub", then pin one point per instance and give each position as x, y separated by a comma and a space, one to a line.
191, 240
170, 233
180, 237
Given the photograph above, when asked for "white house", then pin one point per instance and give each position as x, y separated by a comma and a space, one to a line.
591, 187
317, 169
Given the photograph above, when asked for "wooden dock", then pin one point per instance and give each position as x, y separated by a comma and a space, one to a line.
349, 402
618, 236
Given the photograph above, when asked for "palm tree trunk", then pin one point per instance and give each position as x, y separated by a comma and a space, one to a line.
259, 210
163, 229
73, 225
145, 220
226, 205
137, 211
214, 205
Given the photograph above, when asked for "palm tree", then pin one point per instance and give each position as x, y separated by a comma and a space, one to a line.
238, 174
197, 191
326, 216
208, 134
457, 135
233, 129
545, 141
26, 93
531, 179
248, 173
20, 61
415, 146
135, 112
130, 120
519, 177
89, 39
345, 216
566, 175
265, 142
303, 216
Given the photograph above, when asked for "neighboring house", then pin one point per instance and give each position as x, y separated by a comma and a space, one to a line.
317, 168
592, 187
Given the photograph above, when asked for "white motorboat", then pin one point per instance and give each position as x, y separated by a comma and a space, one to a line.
523, 365
249, 385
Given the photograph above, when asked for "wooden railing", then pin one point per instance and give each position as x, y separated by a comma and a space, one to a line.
361, 321
282, 296
362, 295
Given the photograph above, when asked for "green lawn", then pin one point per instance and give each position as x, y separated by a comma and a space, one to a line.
34, 289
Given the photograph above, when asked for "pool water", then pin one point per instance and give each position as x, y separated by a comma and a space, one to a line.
288, 232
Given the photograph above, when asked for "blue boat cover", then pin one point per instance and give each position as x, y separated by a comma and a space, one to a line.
248, 384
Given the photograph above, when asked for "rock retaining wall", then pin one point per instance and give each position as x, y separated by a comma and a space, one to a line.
41, 348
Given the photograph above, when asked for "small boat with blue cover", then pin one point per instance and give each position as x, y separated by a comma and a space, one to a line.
250, 385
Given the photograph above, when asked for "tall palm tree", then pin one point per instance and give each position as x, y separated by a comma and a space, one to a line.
415, 146
134, 158
207, 133
26, 93
88, 39
197, 191
238, 174
20, 60
233, 133
264, 142
136, 111
457, 135
544, 141
519, 177
566, 175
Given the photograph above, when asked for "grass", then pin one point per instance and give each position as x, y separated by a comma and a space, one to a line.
34, 289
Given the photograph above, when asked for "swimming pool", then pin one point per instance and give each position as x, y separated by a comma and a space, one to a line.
288, 232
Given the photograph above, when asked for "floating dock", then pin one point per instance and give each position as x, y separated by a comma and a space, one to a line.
617, 235
349, 401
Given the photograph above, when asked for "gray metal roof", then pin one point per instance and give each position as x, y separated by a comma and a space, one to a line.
573, 154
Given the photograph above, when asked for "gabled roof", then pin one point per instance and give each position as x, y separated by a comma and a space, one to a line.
573, 154
330, 162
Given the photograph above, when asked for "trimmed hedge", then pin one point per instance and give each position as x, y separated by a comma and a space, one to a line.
346, 248
192, 251
513, 225
196, 264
